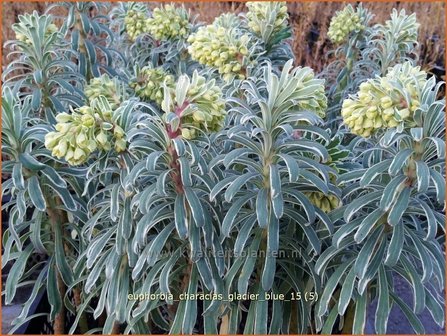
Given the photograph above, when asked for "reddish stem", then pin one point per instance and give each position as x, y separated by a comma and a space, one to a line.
176, 174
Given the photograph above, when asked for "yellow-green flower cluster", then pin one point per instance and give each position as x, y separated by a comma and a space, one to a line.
27, 21
261, 13
104, 86
135, 23
148, 83
343, 23
168, 22
85, 130
202, 109
326, 203
221, 48
385, 102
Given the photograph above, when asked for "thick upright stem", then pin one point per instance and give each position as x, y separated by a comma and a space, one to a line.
83, 324
59, 321
58, 217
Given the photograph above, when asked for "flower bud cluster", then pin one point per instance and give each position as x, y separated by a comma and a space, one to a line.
261, 13
148, 83
135, 23
201, 110
326, 203
343, 23
168, 22
385, 102
223, 48
85, 130
104, 86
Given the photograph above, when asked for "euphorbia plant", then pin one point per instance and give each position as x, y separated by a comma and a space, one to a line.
168, 171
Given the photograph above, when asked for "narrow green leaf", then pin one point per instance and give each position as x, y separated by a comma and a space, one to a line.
126, 223
185, 171
237, 184
180, 215
115, 201
391, 192
61, 258
330, 286
374, 171
359, 203
439, 182
292, 167
262, 211
399, 161
275, 181
346, 291
190, 313
195, 206
383, 304
30, 162
249, 264
17, 176
367, 225
228, 221
399, 207
423, 176
396, 245
358, 327
35, 193
366, 253
15, 273
54, 297
261, 316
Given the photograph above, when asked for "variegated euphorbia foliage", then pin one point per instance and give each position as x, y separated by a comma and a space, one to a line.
188, 178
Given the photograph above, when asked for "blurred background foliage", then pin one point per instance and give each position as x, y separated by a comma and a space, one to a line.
310, 22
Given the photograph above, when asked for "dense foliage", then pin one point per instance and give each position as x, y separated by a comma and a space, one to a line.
169, 170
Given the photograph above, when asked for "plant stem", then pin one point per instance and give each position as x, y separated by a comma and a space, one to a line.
224, 325
59, 321
83, 324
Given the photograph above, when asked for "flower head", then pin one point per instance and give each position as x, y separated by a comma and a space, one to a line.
223, 48
385, 102
148, 83
202, 109
82, 132
135, 23
168, 22
104, 86
344, 23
